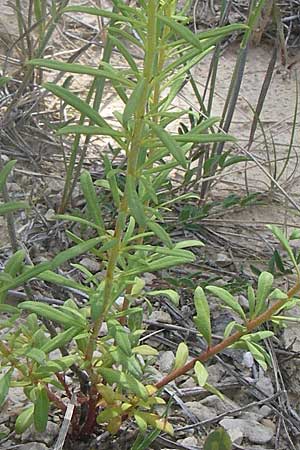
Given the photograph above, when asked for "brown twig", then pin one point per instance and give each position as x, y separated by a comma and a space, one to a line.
227, 342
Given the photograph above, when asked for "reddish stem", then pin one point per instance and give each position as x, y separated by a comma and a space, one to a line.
90, 421
56, 400
212, 351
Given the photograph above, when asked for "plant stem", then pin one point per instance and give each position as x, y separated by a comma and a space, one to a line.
132, 159
212, 351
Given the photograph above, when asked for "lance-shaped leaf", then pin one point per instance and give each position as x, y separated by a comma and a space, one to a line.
182, 355
12, 207
295, 234
112, 180
228, 299
218, 440
4, 81
202, 319
135, 204
15, 263
74, 101
5, 172
52, 313
102, 13
60, 339
265, 283
83, 69
41, 410
4, 386
201, 373
169, 142
61, 258
125, 381
24, 420
90, 196
160, 233
170, 293
284, 242
251, 301
133, 101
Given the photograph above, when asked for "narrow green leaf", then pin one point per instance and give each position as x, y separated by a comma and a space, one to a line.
5, 172
251, 301
36, 355
145, 350
73, 252
51, 313
60, 280
4, 81
257, 354
134, 202
182, 355
133, 101
228, 299
89, 131
102, 13
81, 69
41, 410
182, 30
218, 440
202, 319
112, 180
15, 263
124, 52
4, 386
24, 420
90, 196
265, 283
61, 339
173, 295
123, 341
12, 207
204, 138
189, 243
295, 234
125, 381
160, 233
284, 242
193, 39
77, 103
201, 373
170, 143
141, 423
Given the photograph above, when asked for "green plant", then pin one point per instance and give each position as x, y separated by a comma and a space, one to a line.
111, 366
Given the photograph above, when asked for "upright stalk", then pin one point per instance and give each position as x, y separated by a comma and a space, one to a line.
131, 175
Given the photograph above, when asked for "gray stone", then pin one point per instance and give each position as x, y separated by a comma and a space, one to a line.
160, 316
265, 385
265, 411
17, 396
189, 383
50, 214
91, 264
31, 446
54, 185
202, 412
166, 361
255, 432
190, 441
47, 437
4, 430
216, 373
220, 406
